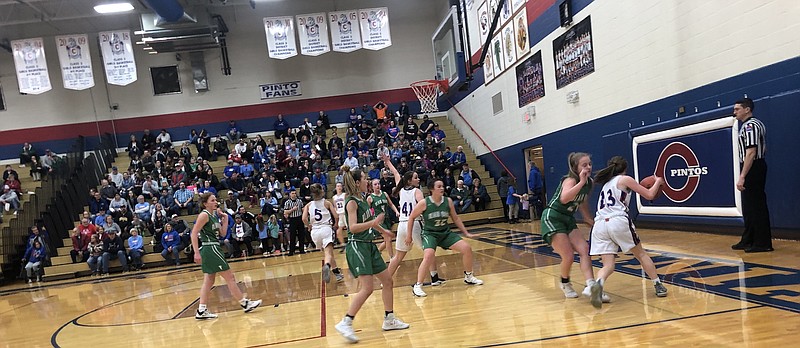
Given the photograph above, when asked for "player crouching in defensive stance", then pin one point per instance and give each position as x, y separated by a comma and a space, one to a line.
320, 215
613, 229
205, 234
435, 211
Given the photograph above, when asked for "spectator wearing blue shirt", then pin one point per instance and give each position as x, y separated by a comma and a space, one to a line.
468, 175
184, 199
230, 169
96, 203
246, 170
374, 172
233, 133
320, 178
512, 201
438, 136
535, 185
171, 241
142, 208
281, 127
136, 249
206, 187
33, 259
100, 218
458, 158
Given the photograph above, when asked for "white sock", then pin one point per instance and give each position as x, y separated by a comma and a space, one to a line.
467, 274
590, 282
243, 301
656, 281
417, 284
201, 308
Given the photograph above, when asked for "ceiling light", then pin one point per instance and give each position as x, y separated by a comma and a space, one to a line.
114, 8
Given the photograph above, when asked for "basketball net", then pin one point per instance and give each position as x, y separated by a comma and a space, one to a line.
427, 92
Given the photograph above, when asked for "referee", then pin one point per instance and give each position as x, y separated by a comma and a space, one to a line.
757, 236
293, 211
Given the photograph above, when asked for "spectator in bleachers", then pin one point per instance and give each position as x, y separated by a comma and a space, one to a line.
246, 170
427, 126
164, 138
81, 236
136, 249
410, 130
95, 250
367, 135
242, 234
148, 140
149, 187
468, 175
185, 153
480, 195
353, 118
260, 158
131, 198
10, 171
26, 154
9, 199
110, 226
170, 242
335, 140
321, 178
128, 182
48, 160
351, 161
135, 164
193, 136
438, 136
280, 126
461, 196
167, 201
117, 203
335, 156
210, 176
159, 220
458, 158
220, 148
403, 111
205, 186
203, 149
235, 184
232, 203
36, 235
134, 147
380, 111
139, 224
184, 199
448, 180
14, 184
32, 259
324, 119
113, 248
98, 219
393, 132
36, 170
251, 193
142, 208
178, 176
107, 192
233, 133
148, 161
268, 204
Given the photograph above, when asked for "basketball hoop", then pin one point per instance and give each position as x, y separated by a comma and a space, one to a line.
427, 91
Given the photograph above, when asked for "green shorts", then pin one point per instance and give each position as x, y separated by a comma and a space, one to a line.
364, 258
556, 222
446, 239
213, 260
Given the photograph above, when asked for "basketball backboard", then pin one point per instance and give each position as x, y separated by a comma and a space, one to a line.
448, 55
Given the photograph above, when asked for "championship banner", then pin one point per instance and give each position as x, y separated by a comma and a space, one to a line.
346, 34
700, 164
572, 53
31, 66
280, 37
118, 58
521, 26
76, 62
509, 45
280, 90
375, 33
530, 79
313, 32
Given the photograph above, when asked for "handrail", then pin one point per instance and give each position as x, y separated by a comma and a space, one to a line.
481, 139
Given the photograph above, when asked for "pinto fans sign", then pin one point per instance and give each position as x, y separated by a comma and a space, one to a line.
699, 164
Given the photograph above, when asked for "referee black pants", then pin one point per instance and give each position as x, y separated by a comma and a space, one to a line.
297, 230
757, 230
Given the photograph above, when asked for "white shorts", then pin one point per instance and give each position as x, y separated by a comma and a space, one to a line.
341, 222
612, 234
322, 236
402, 233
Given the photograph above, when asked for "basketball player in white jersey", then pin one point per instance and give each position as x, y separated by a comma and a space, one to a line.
320, 215
338, 201
408, 189
613, 229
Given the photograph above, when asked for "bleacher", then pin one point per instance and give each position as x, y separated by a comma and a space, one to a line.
63, 268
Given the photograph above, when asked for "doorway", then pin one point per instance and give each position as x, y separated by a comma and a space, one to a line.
535, 156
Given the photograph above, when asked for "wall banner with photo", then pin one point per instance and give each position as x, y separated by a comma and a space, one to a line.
76, 62
31, 66
280, 37
313, 32
530, 79
345, 32
375, 31
572, 53
118, 60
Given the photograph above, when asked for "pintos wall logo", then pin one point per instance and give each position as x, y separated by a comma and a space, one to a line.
681, 170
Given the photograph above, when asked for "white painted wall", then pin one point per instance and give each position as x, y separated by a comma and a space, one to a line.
407, 60
644, 51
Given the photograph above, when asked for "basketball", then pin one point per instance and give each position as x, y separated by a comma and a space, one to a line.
648, 182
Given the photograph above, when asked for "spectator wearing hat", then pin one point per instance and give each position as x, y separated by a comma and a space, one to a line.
184, 198
113, 248
9, 199
242, 233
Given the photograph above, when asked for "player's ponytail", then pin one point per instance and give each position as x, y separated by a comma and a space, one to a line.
616, 166
350, 178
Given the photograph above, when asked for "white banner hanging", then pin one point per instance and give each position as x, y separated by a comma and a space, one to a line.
345, 32
375, 33
118, 58
76, 62
312, 29
280, 37
280, 90
31, 66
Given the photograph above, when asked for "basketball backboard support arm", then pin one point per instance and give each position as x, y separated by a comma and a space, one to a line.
489, 37
462, 27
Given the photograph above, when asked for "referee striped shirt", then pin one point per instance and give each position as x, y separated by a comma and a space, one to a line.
752, 134
289, 204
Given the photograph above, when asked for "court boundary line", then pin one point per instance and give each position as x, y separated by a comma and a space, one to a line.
619, 327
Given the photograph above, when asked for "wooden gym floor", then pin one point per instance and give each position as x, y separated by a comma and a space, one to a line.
717, 298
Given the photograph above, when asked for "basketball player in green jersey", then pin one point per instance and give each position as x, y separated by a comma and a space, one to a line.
205, 238
558, 221
378, 200
363, 257
435, 210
